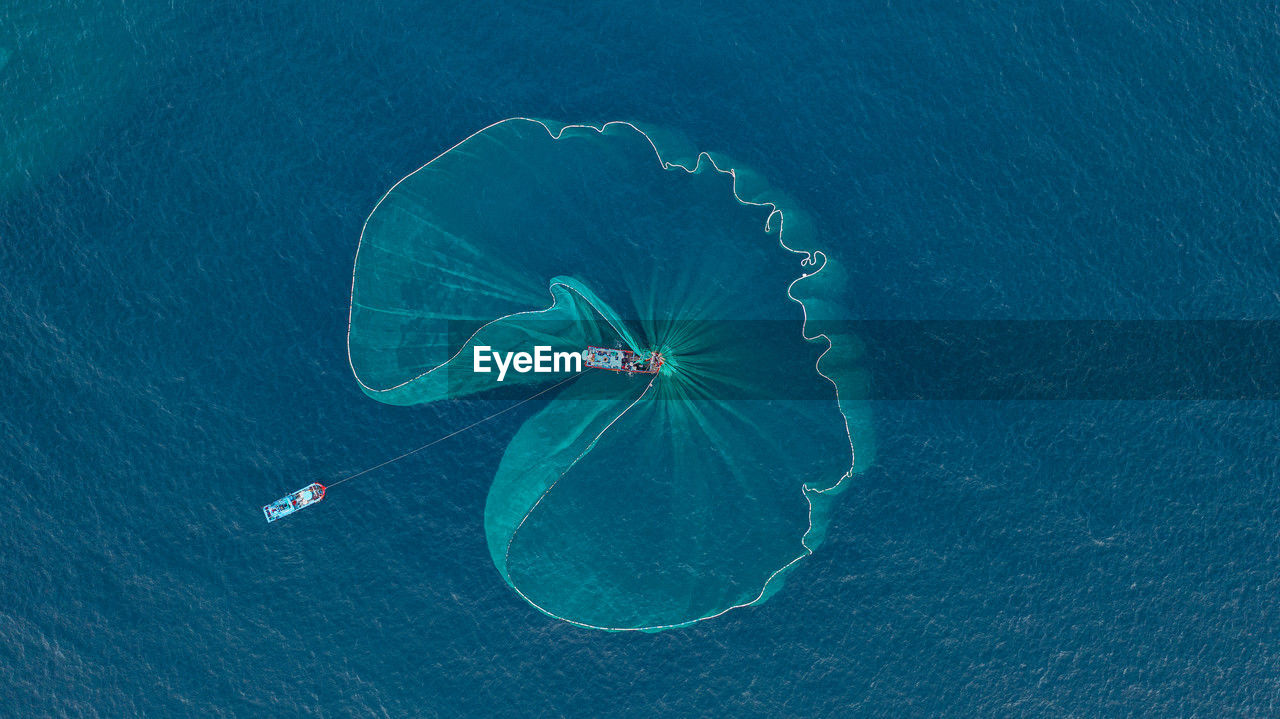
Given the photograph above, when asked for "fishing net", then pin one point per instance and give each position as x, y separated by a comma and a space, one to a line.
629, 501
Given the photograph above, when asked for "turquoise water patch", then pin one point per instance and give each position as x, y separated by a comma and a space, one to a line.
628, 502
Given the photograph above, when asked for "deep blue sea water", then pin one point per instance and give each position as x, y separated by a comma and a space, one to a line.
175, 260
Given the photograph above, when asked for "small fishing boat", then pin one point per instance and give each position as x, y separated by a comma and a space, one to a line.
291, 503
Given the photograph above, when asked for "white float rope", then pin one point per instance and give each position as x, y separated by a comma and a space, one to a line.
454, 433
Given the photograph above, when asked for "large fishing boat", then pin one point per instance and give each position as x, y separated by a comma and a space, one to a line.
621, 360
291, 503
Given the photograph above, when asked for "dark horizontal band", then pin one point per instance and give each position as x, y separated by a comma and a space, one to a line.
965, 360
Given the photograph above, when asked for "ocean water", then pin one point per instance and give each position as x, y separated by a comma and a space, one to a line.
176, 245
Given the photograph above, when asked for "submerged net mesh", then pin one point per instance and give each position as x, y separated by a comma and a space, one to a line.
628, 502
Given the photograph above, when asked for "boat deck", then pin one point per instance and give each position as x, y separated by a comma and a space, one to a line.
621, 360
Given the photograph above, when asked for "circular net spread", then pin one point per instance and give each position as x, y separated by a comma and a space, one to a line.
629, 501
